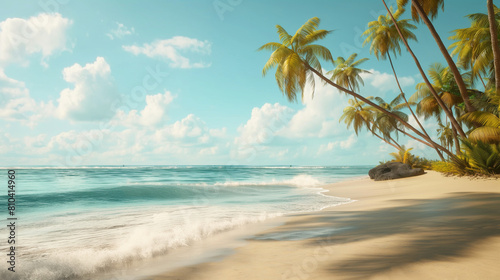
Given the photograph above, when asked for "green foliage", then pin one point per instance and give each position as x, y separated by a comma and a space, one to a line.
383, 36
346, 72
489, 131
295, 56
445, 167
384, 162
476, 158
296, 60
482, 157
473, 45
422, 163
404, 156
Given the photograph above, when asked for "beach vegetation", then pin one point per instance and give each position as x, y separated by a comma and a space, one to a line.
467, 115
445, 167
404, 155
478, 158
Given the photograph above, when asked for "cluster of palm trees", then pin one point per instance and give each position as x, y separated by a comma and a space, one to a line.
463, 113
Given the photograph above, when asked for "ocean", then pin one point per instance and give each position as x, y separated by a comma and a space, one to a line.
98, 222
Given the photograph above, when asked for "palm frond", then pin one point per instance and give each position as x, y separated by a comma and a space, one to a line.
483, 118
485, 134
285, 38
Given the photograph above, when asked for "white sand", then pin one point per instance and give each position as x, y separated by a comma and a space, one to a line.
425, 227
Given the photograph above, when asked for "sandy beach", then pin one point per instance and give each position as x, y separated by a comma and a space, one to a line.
425, 227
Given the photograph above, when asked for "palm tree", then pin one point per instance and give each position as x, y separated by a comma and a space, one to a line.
346, 73
388, 125
403, 155
446, 135
296, 56
358, 117
453, 121
494, 43
421, 9
444, 84
296, 61
473, 46
490, 131
384, 39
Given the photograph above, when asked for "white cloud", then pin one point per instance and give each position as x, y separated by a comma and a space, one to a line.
178, 143
218, 133
209, 151
93, 94
320, 116
44, 33
15, 100
153, 114
260, 130
19, 38
280, 154
173, 51
191, 126
429, 125
317, 122
264, 124
16, 103
343, 144
421, 149
120, 31
386, 82
190, 131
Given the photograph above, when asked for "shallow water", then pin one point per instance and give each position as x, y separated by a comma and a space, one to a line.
77, 222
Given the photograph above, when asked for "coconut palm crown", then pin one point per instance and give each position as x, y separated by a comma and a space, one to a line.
292, 56
347, 73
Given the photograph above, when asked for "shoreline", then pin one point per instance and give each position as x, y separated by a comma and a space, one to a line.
423, 227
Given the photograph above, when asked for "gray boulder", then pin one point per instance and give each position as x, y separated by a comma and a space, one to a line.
393, 170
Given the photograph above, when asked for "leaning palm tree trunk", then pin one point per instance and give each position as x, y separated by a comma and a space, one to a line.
411, 110
395, 144
482, 81
449, 60
328, 81
414, 138
455, 140
426, 80
494, 43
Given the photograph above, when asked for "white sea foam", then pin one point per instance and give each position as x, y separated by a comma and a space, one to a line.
302, 180
161, 233
86, 236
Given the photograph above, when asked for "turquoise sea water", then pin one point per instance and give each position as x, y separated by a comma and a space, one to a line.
77, 222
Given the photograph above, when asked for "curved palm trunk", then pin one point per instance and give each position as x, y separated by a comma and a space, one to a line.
395, 145
482, 81
414, 138
328, 81
411, 110
449, 60
426, 80
494, 43
455, 140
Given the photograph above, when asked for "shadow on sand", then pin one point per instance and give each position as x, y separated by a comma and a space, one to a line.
434, 229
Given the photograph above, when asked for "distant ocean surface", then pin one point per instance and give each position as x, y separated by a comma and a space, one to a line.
77, 222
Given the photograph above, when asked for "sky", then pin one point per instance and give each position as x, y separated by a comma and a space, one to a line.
180, 82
